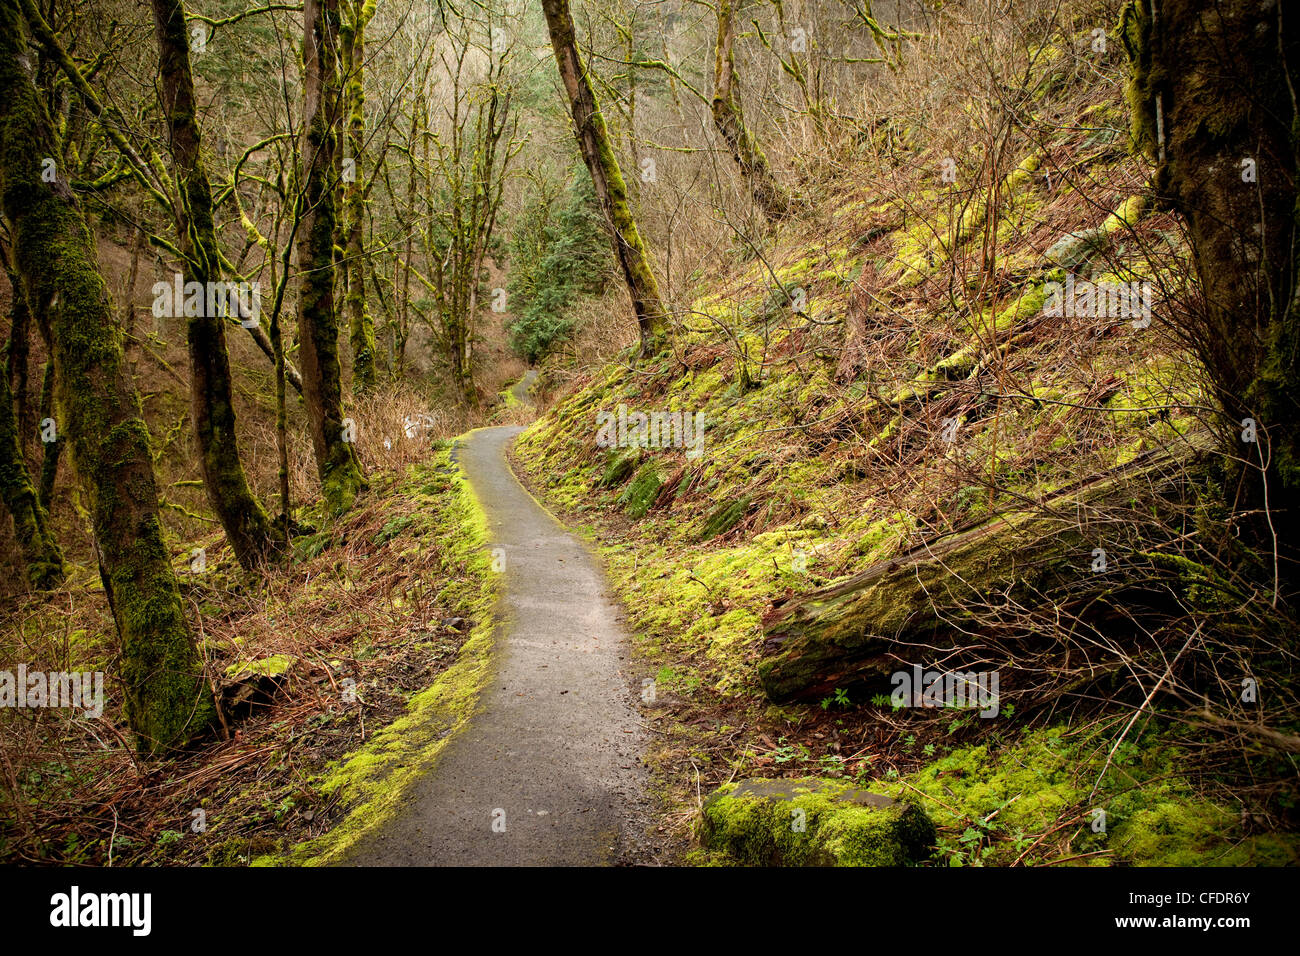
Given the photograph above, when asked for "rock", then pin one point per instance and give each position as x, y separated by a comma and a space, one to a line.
1075, 249
251, 684
813, 822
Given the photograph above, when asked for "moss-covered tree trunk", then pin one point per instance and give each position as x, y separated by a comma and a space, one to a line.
36, 542
318, 329
51, 448
168, 701
361, 326
611, 189
1213, 95
730, 122
20, 356
858, 631
246, 524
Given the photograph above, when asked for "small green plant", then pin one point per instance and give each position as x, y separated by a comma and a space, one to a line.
839, 699
785, 753
832, 765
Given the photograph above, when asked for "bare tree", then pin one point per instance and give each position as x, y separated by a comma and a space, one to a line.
611, 190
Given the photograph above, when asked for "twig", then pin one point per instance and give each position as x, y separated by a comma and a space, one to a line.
1138, 713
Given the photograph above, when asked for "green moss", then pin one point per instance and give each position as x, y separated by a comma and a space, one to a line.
372, 780
1128, 215
1140, 91
1026, 306
273, 666
1154, 817
812, 822
36, 540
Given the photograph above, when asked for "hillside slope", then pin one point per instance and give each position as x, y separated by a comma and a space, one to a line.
907, 359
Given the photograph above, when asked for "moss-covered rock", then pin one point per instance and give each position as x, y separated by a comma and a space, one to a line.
813, 822
274, 666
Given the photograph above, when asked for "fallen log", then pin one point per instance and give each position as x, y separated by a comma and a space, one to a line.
857, 632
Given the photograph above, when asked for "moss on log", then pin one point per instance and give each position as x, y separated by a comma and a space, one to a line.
851, 632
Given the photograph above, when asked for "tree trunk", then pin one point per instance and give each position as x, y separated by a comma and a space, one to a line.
336, 461
361, 326
1213, 96
857, 631
168, 701
611, 189
264, 343
36, 541
49, 449
247, 527
730, 122
19, 358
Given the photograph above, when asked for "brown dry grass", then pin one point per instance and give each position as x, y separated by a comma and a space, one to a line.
371, 608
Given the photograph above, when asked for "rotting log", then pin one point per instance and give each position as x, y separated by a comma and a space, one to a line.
857, 631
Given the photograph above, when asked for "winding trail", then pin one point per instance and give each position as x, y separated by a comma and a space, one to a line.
549, 771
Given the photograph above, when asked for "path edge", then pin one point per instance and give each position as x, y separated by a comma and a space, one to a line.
373, 779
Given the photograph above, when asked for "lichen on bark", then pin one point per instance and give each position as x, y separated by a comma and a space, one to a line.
339, 469
167, 699
36, 541
247, 527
